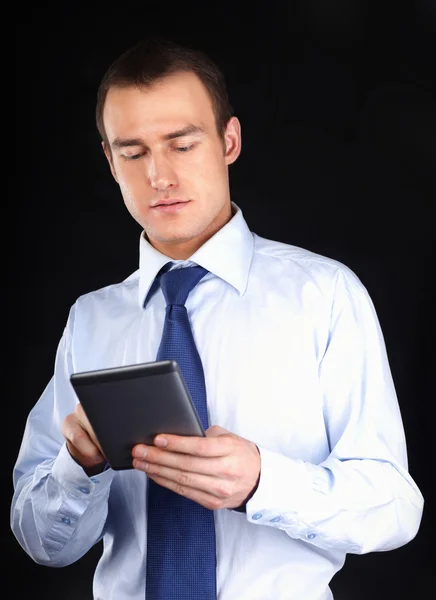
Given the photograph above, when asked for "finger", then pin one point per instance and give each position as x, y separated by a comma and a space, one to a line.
80, 444
215, 431
197, 446
200, 496
86, 425
203, 483
181, 462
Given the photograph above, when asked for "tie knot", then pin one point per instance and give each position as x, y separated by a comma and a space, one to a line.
178, 283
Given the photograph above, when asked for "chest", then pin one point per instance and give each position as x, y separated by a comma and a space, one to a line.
260, 360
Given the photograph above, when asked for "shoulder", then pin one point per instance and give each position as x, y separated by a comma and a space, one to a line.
110, 298
292, 260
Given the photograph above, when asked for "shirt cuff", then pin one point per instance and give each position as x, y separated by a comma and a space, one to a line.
284, 489
71, 476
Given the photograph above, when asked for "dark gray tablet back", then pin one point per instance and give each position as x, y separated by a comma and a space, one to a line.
131, 404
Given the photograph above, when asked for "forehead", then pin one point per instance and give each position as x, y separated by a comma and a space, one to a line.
166, 105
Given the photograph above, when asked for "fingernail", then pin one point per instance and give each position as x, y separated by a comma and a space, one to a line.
161, 442
139, 453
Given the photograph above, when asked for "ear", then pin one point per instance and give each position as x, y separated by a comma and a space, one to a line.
232, 140
108, 155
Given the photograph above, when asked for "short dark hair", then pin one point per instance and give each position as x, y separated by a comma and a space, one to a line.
150, 61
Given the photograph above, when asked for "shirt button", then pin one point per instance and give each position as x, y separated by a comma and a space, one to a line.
257, 516
311, 536
276, 519
95, 480
66, 520
84, 490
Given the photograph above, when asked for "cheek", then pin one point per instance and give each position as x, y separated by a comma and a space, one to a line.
207, 172
126, 189
130, 196
131, 185
211, 180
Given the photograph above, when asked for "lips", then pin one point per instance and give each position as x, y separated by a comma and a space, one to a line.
169, 202
170, 206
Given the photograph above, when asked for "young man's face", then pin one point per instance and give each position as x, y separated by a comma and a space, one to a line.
164, 145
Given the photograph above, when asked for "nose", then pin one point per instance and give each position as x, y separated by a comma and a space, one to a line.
161, 173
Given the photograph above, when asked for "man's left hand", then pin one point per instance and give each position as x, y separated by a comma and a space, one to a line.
220, 470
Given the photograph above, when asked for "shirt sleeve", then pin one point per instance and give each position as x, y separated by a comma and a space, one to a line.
57, 513
361, 498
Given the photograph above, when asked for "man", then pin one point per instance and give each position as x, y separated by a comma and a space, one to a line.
305, 457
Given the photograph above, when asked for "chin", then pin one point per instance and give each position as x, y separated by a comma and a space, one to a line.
181, 230
170, 237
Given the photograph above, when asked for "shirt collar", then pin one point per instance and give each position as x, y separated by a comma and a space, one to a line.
227, 254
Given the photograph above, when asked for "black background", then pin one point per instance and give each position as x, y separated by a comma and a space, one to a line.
337, 105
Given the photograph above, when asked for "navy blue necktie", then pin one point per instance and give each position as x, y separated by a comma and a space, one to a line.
181, 555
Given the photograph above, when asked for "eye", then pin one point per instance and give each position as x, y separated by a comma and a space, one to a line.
133, 156
183, 149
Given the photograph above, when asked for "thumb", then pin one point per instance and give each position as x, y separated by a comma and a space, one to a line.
216, 431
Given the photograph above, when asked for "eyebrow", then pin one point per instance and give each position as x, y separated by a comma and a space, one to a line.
188, 130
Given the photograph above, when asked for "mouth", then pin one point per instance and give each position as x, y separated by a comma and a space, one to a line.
170, 205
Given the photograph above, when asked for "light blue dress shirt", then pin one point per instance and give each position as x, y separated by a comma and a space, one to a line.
294, 361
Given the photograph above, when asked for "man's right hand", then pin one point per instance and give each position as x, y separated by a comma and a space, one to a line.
81, 441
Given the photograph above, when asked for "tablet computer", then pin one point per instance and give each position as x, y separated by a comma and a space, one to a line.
131, 404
